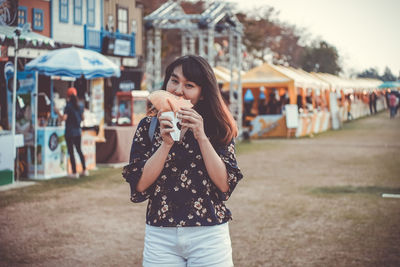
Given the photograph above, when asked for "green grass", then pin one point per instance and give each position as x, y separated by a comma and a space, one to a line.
348, 189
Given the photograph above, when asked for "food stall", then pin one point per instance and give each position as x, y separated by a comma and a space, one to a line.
24, 121
265, 81
351, 91
8, 142
280, 86
132, 107
51, 154
51, 149
75, 63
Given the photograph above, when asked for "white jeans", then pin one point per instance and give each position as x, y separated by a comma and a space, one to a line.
199, 246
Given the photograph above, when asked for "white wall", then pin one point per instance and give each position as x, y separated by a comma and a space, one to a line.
71, 33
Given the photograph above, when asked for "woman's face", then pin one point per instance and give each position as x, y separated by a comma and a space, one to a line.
179, 86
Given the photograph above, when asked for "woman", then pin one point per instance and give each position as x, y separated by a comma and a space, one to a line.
186, 182
73, 115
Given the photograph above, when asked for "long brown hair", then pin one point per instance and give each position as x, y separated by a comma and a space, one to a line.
219, 124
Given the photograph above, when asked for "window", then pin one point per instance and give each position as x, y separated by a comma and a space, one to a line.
37, 19
63, 8
90, 12
22, 11
122, 17
78, 11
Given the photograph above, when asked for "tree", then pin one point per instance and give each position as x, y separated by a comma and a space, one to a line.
388, 75
321, 57
373, 73
369, 73
265, 37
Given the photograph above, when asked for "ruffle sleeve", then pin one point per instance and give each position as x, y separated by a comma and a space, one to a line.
140, 153
227, 154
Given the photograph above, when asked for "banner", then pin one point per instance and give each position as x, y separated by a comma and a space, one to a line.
25, 104
6, 158
97, 100
51, 154
8, 13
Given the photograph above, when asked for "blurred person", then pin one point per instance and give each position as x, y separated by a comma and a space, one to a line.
262, 104
349, 115
393, 102
187, 182
73, 116
372, 103
273, 106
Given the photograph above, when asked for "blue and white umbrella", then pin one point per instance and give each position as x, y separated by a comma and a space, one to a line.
74, 62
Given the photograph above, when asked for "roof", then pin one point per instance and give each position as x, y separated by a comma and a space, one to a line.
264, 74
348, 84
223, 74
269, 73
31, 38
300, 79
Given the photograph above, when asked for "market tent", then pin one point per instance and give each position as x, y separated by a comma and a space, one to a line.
223, 76
263, 75
366, 83
313, 81
267, 76
390, 84
74, 62
335, 82
71, 62
31, 38
27, 39
300, 79
348, 85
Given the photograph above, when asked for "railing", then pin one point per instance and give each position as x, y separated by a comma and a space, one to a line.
94, 40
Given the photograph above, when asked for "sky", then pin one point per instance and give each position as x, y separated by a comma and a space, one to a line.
366, 33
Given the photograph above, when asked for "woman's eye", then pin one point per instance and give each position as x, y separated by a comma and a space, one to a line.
189, 85
174, 81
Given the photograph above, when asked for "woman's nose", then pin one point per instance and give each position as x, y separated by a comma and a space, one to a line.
179, 90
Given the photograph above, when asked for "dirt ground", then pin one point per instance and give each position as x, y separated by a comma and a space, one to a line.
303, 202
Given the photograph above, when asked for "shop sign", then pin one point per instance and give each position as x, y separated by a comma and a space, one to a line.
25, 104
9, 12
122, 47
51, 154
130, 61
97, 100
6, 157
126, 86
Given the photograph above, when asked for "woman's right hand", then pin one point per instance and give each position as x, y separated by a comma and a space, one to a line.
166, 127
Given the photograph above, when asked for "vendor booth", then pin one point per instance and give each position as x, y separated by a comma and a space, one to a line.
8, 143
6, 161
262, 115
51, 154
48, 157
274, 87
352, 97
132, 107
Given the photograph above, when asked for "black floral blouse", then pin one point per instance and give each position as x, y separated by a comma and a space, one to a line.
183, 194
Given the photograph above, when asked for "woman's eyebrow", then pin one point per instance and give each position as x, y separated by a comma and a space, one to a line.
174, 75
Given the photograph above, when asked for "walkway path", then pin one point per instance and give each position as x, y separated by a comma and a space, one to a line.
303, 202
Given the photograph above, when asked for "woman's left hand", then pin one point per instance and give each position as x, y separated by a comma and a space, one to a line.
192, 120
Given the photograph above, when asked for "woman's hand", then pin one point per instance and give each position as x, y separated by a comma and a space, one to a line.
166, 128
194, 121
